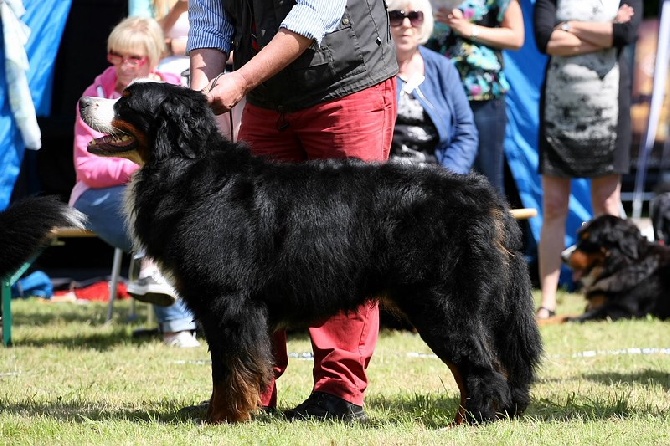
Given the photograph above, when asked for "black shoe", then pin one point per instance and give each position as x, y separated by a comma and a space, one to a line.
324, 406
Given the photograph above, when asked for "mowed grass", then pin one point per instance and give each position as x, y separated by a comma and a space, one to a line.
71, 379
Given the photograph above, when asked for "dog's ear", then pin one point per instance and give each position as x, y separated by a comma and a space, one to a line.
173, 133
630, 242
183, 127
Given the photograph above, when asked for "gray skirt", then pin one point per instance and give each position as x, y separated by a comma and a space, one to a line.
581, 114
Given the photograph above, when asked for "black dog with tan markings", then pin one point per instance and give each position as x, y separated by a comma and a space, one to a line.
254, 245
623, 274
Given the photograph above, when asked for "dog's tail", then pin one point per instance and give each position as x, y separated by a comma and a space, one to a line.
25, 226
517, 333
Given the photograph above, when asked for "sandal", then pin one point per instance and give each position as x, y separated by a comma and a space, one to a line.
550, 313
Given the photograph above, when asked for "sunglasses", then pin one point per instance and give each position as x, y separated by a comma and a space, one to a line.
133, 60
396, 17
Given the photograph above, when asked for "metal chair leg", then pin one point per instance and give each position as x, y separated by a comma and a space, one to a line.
114, 283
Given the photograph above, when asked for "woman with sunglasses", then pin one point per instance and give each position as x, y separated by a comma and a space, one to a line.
434, 123
473, 34
134, 49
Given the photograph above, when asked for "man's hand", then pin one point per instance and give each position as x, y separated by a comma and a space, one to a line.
225, 91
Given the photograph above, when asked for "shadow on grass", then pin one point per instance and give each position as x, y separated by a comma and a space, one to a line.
86, 411
434, 411
432, 415
429, 411
578, 407
646, 377
100, 342
89, 313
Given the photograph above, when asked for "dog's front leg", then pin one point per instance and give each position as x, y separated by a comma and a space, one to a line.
233, 399
241, 368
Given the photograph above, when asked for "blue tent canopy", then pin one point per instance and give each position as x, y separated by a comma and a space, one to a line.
46, 20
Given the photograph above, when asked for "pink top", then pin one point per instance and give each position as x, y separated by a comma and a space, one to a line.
97, 172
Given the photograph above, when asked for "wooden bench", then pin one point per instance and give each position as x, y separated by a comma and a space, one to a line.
57, 236
524, 213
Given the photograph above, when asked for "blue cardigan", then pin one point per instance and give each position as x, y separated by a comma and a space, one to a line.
442, 95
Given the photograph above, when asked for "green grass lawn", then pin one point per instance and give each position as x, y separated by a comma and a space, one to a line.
72, 379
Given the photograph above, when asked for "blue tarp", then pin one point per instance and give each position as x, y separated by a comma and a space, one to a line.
525, 71
46, 19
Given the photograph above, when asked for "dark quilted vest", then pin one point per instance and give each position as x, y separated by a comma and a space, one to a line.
357, 55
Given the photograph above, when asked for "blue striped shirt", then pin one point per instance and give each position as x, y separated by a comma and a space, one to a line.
211, 27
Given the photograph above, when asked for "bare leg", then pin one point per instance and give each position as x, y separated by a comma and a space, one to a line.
606, 195
552, 239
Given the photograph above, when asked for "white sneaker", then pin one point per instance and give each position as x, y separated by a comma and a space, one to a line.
181, 339
153, 289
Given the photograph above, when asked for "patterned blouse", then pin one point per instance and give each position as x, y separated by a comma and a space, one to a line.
481, 67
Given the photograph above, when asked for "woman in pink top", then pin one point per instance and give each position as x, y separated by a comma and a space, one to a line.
134, 49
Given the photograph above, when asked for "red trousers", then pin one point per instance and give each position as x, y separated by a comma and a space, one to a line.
358, 125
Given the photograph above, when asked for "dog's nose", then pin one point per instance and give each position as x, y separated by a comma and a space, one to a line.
567, 253
84, 103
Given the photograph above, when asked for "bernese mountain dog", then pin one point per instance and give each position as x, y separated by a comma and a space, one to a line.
623, 274
253, 246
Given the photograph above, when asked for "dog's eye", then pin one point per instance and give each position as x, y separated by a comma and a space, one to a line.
126, 93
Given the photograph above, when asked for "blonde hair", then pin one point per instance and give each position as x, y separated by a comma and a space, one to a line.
418, 5
135, 33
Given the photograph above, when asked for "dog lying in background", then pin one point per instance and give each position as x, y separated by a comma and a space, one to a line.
623, 274
254, 246
25, 226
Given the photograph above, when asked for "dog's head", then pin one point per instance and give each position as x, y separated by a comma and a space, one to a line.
604, 245
151, 121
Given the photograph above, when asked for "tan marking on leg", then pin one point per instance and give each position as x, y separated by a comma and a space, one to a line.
460, 413
235, 399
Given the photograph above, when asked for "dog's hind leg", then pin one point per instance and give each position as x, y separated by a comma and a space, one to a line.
463, 342
241, 364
